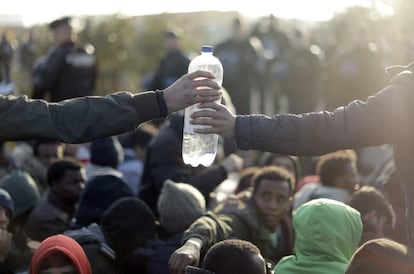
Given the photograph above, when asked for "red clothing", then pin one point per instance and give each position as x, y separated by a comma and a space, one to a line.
65, 245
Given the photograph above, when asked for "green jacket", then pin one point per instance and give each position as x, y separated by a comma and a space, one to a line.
76, 120
241, 220
327, 234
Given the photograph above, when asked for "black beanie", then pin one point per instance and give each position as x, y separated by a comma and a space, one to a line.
128, 223
106, 152
99, 193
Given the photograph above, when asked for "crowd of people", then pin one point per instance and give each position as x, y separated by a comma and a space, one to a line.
98, 185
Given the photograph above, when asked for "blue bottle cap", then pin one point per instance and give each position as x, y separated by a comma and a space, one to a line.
207, 49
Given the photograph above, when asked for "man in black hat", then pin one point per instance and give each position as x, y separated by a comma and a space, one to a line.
68, 70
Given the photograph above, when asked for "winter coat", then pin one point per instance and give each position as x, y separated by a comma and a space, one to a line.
68, 71
46, 220
242, 221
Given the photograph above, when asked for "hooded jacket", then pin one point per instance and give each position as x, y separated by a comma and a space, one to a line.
63, 244
384, 118
327, 234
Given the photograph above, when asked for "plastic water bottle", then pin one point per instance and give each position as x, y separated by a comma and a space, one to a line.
201, 148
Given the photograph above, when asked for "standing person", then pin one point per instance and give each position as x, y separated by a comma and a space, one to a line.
303, 81
69, 69
173, 65
272, 61
81, 120
384, 118
238, 58
6, 54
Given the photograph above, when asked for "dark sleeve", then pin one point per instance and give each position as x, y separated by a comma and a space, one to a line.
384, 118
212, 228
76, 120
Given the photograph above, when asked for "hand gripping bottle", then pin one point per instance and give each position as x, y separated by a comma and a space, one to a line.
201, 148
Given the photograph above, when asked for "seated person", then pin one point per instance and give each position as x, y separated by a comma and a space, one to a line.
59, 254
232, 256
262, 217
381, 256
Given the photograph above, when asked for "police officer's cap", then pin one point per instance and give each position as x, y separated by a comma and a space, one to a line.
59, 22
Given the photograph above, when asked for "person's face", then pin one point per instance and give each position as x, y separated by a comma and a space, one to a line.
49, 152
4, 218
67, 269
272, 200
62, 34
71, 185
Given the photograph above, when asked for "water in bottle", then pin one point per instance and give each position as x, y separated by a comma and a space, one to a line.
201, 148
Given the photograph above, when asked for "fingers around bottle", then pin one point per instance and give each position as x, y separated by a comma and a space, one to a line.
207, 83
200, 73
211, 105
206, 98
204, 113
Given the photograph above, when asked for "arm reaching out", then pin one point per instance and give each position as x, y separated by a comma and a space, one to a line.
188, 254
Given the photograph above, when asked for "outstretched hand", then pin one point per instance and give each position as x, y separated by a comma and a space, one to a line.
188, 254
217, 117
191, 88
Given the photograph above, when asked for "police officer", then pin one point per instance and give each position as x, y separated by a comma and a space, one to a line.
68, 70
172, 66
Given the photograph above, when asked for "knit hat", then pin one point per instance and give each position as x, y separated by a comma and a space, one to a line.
99, 193
128, 223
381, 256
179, 205
6, 201
106, 152
22, 189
